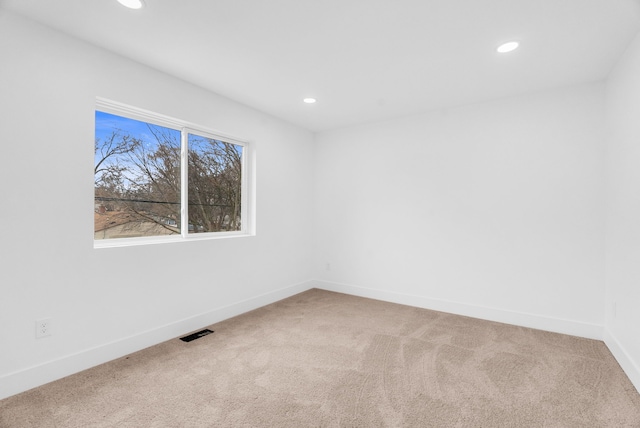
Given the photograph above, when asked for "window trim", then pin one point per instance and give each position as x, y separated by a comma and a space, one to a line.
247, 213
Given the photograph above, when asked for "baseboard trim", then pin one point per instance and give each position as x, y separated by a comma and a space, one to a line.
556, 325
621, 355
23, 380
31, 377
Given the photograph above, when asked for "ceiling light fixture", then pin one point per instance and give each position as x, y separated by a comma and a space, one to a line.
309, 100
132, 4
508, 47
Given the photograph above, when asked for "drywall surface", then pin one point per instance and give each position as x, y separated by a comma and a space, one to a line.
494, 206
95, 297
623, 210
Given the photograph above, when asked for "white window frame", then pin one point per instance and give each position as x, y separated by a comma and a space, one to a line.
246, 210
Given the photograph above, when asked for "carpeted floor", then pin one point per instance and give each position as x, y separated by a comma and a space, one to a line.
322, 359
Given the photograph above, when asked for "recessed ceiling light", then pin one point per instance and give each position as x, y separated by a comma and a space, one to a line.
508, 47
309, 100
132, 4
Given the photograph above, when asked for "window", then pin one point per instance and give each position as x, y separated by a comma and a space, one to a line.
158, 179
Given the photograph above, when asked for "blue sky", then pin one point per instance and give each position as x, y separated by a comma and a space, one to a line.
107, 123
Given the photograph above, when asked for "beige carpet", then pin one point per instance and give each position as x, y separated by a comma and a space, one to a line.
322, 359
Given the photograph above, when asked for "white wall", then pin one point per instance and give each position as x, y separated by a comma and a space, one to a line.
491, 210
107, 302
623, 212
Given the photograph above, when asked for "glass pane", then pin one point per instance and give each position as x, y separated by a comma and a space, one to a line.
215, 184
137, 178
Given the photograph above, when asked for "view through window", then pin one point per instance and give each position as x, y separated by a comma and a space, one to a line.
139, 173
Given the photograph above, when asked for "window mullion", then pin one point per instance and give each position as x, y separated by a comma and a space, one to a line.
184, 183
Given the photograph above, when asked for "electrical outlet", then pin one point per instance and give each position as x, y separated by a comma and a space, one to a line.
43, 328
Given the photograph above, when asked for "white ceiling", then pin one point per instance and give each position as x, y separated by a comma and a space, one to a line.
364, 60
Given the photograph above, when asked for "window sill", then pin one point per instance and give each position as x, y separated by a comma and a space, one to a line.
131, 242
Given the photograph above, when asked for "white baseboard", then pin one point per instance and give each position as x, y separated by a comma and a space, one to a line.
23, 380
556, 325
627, 363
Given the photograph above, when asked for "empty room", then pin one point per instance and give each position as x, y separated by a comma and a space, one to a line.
320, 213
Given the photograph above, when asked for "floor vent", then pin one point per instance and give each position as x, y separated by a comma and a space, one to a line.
195, 336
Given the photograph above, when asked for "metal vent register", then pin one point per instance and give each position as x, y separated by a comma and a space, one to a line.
194, 336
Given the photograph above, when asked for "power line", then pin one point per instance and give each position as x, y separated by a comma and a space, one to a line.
108, 199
